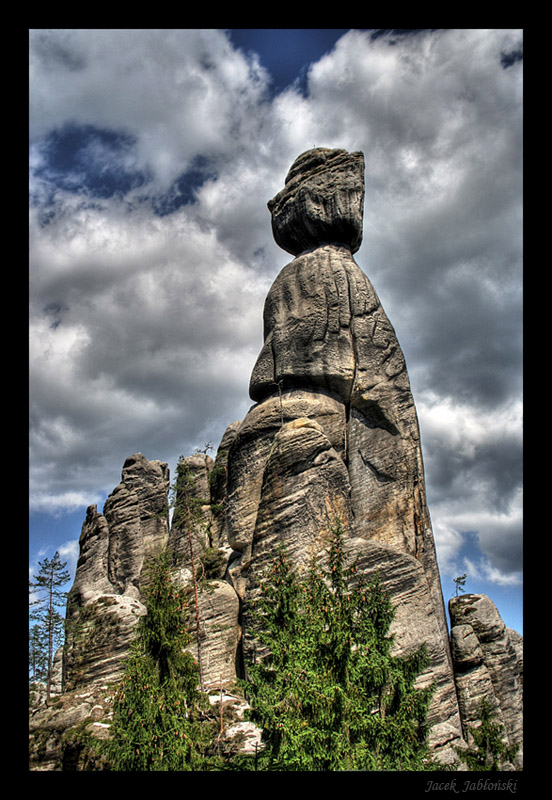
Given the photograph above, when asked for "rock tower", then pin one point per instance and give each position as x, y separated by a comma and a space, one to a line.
334, 431
488, 664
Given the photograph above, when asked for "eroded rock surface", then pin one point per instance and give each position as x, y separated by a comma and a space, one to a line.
104, 603
322, 201
332, 436
334, 432
488, 663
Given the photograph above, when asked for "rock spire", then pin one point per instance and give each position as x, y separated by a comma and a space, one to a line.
488, 664
334, 432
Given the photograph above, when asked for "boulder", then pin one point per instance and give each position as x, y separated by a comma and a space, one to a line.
322, 201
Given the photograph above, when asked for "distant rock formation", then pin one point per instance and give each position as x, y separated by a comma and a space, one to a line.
105, 602
332, 435
488, 664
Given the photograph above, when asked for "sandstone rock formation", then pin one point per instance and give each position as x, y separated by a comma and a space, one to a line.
198, 545
104, 603
488, 663
332, 435
334, 432
322, 201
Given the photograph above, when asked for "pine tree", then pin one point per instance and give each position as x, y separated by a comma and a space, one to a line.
489, 751
330, 695
156, 713
38, 660
460, 583
46, 588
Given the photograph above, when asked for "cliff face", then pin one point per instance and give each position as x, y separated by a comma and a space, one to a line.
332, 435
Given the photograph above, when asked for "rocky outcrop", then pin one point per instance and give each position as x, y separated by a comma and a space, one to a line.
105, 603
59, 734
488, 664
199, 548
322, 201
332, 437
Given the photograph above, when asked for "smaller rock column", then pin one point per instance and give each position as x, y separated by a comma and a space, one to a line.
104, 603
488, 664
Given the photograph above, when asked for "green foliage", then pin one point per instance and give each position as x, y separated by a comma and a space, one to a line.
45, 597
187, 507
460, 582
157, 707
330, 695
218, 473
489, 752
38, 654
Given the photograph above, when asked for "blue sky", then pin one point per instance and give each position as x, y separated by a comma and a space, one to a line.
152, 156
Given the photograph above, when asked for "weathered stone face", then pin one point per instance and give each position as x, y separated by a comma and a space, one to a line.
488, 663
104, 603
253, 443
307, 327
334, 433
137, 516
201, 534
325, 331
322, 202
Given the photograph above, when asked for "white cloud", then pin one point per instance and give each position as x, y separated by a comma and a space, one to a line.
57, 504
69, 553
181, 93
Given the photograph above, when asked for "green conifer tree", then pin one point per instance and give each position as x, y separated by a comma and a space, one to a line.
489, 750
330, 695
38, 659
156, 711
48, 597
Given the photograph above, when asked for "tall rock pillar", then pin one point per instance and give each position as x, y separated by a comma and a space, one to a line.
488, 664
105, 601
334, 431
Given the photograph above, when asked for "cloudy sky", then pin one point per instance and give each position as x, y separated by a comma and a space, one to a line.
153, 154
